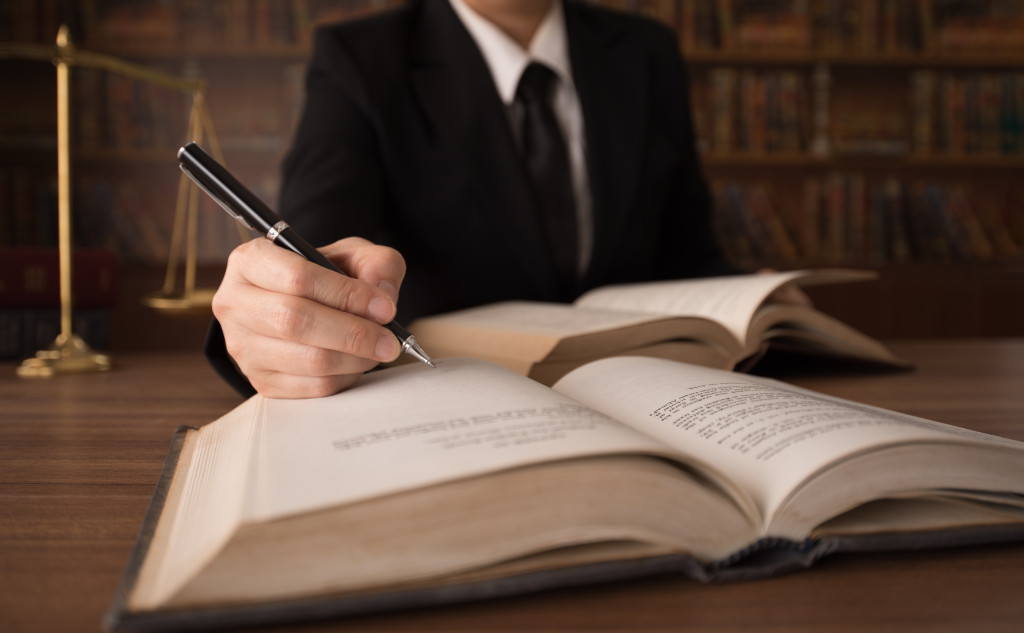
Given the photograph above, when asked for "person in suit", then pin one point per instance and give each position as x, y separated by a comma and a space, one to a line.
410, 141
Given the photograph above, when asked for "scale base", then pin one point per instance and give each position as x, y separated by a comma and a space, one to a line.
67, 355
194, 302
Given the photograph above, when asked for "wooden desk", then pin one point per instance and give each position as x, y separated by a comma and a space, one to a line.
79, 456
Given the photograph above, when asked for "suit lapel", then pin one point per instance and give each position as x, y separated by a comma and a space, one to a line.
455, 88
612, 90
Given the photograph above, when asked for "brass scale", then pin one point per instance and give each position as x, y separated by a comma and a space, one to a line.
69, 353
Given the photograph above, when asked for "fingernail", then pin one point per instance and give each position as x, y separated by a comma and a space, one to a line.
389, 288
382, 310
387, 348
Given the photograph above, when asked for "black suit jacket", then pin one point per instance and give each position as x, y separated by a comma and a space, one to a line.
405, 141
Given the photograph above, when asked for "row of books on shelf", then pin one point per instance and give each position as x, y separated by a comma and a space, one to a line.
30, 20
30, 277
841, 26
949, 113
968, 112
191, 24
136, 220
127, 216
111, 111
843, 218
832, 26
23, 332
114, 112
846, 220
754, 111
963, 25
28, 207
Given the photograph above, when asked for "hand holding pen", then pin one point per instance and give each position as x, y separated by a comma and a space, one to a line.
293, 329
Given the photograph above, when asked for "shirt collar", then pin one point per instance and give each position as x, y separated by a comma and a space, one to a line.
506, 59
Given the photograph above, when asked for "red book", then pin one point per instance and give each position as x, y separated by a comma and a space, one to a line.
30, 278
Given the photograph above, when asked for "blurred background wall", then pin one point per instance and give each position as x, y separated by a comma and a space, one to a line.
881, 134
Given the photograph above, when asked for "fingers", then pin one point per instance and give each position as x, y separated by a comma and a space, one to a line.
251, 311
296, 329
282, 369
378, 266
261, 264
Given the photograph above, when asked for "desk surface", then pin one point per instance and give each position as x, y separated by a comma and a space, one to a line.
79, 456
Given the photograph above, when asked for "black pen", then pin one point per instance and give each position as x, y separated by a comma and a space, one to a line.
245, 207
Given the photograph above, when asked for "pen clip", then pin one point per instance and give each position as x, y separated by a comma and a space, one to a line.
241, 219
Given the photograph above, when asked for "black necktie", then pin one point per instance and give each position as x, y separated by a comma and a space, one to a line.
547, 161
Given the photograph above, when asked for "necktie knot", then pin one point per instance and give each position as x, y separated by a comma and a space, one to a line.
535, 83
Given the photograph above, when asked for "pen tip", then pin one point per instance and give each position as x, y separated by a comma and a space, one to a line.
413, 348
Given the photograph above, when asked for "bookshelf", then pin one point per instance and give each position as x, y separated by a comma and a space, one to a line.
125, 133
876, 133
835, 133
884, 134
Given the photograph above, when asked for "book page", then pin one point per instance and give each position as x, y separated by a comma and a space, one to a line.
526, 330
535, 332
731, 300
213, 466
817, 332
765, 435
414, 426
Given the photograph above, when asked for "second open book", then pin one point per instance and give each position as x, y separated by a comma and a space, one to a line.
723, 322
430, 485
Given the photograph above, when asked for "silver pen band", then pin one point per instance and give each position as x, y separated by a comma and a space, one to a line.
276, 230
408, 343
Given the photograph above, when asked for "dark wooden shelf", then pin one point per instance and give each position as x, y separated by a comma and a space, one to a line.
173, 51
896, 60
1011, 162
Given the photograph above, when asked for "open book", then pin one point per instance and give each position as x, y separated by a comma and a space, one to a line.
718, 322
467, 481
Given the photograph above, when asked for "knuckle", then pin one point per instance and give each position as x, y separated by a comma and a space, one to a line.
360, 341
321, 386
288, 320
396, 259
221, 304
319, 362
237, 352
237, 256
297, 278
389, 253
241, 258
351, 299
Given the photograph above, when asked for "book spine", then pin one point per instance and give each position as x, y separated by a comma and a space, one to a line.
30, 278
23, 332
922, 89
856, 220
896, 224
723, 109
926, 25
726, 25
731, 223
809, 225
834, 225
868, 27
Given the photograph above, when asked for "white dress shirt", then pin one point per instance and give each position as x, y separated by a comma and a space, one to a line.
507, 60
